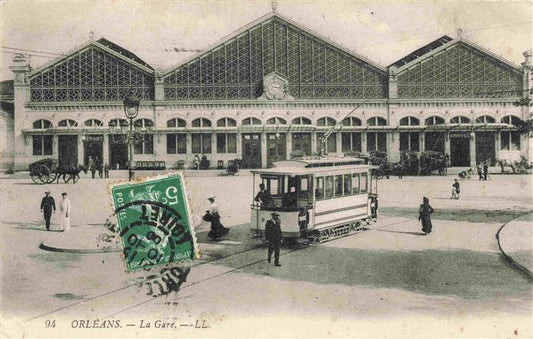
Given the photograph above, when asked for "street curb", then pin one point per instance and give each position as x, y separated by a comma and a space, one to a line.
515, 264
45, 247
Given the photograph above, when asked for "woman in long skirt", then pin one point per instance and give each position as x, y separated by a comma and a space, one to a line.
424, 215
217, 229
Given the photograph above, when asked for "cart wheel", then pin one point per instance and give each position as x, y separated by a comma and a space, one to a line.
44, 174
35, 178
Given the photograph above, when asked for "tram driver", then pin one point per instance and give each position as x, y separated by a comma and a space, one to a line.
263, 196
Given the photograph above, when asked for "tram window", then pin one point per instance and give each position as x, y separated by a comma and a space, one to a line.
355, 183
304, 184
328, 189
273, 186
363, 182
347, 184
319, 192
338, 185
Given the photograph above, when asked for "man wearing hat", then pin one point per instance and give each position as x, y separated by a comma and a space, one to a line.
48, 205
273, 236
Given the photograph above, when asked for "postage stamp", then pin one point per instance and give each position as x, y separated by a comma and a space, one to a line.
154, 221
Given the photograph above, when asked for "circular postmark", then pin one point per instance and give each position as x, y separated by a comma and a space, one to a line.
153, 233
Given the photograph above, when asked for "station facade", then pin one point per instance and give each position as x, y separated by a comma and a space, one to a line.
269, 91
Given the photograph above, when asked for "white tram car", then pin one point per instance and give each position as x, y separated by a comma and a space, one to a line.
316, 199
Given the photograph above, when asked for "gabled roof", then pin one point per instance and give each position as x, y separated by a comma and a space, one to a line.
264, 19
105, 45
455, 42
421, 51
122, 51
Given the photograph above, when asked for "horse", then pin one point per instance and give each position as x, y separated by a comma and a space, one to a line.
72, 171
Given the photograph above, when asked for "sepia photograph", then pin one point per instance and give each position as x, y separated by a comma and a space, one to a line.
266, 169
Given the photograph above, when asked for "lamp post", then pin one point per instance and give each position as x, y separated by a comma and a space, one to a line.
131, 109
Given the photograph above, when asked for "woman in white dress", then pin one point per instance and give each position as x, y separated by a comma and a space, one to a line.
64, 213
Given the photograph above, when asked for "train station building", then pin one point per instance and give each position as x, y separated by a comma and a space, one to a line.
268, 91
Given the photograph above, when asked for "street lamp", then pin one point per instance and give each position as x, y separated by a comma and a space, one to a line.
131, 109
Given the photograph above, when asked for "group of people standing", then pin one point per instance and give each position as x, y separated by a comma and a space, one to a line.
482, 171
48, 207
95, 165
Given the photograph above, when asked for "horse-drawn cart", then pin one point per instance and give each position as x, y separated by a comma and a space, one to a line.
43, 171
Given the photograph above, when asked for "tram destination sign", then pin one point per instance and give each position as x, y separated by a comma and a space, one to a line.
154, 221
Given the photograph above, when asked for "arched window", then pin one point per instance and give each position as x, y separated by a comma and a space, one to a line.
40, 124
67, 123
460, 120
276, 121
485, 119
226, 122
510, 120
376, 121
93, 123
251, 121
176, 122
326, 122
434, 120
118, 122
143, 123
301, 121
201, 122
351, 121
409, 121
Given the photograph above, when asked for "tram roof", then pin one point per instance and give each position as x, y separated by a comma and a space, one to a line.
311, 166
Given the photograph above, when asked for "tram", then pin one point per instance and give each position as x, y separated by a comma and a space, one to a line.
316, 199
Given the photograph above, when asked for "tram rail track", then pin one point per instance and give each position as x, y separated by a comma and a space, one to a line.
88, 302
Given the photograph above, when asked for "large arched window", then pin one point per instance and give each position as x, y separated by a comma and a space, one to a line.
226, 122
351, 121
118, 123
40, 124
376, 121
67, 123
143, 123
434, 120
326, 121
251, 121
409, 121
460, 120
301, 121
42, 144
276, 121
201, 122
176, 122
485, 119
510, 120
93, 123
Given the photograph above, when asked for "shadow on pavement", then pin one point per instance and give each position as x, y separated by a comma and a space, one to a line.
464, 274
467, 215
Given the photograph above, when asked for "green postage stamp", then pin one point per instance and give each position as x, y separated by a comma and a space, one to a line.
154, 221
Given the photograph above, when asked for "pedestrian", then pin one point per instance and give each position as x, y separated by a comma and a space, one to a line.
48, 206
91, 166
273, 236
217, 229
485, 171
196, 161
64, 213
455, 190
479, 171
98, 165
424, 215
400, 171
263, 196
106, 171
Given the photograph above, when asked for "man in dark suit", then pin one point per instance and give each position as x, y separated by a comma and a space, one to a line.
273, 236
48, 206
263, 197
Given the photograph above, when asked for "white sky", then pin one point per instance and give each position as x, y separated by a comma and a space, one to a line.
382, 31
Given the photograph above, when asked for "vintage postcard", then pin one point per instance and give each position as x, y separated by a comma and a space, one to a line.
266, 169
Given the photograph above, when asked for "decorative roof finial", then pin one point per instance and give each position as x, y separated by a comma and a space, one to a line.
460, 33
274, 6
91, 35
